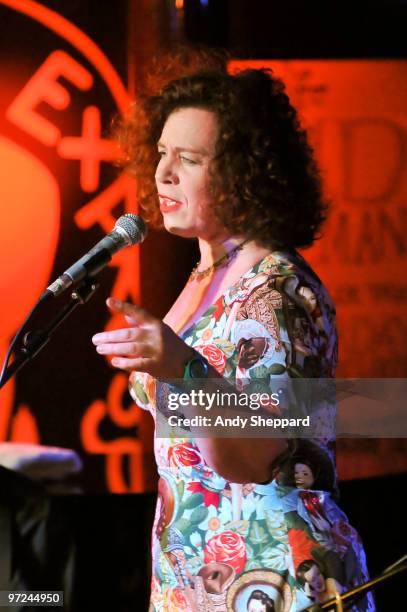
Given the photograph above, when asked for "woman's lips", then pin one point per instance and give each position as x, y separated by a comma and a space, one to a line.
168, 204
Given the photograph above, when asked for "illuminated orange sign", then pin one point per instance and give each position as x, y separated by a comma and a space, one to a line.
355, 112
42, 110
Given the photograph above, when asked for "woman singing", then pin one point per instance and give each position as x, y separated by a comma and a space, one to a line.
222, 159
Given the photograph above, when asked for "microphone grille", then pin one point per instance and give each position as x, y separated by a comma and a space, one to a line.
134, 226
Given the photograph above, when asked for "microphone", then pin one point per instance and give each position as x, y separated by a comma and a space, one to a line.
129, 229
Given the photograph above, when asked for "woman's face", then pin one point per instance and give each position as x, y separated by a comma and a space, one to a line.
303, 476
186, 147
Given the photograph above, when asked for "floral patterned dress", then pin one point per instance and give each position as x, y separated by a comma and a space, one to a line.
285, 545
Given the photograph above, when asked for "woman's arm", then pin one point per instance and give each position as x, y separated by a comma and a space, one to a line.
149, 345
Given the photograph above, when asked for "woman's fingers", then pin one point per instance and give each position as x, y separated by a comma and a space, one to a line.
147, 345
131, 347
126, 349
135, 315
139, 364
128, 334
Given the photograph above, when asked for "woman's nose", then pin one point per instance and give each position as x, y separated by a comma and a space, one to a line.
166, 172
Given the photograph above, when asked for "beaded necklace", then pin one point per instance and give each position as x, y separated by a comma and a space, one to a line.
220, 263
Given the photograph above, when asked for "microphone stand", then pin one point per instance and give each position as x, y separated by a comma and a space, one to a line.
35, 341
336, 602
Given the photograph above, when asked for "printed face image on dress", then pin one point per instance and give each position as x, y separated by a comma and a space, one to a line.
310, 461
251, 351
259, 601
254, 345
312, 579
314, 582
303, 476
216, 576
257, 590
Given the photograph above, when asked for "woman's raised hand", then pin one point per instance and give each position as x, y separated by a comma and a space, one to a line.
146, 345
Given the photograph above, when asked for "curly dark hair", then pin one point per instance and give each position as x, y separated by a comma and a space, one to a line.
265, 184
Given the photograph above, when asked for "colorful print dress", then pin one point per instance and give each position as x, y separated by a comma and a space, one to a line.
285, 545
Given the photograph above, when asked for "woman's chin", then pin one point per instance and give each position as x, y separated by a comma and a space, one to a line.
179, 230
187, 230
